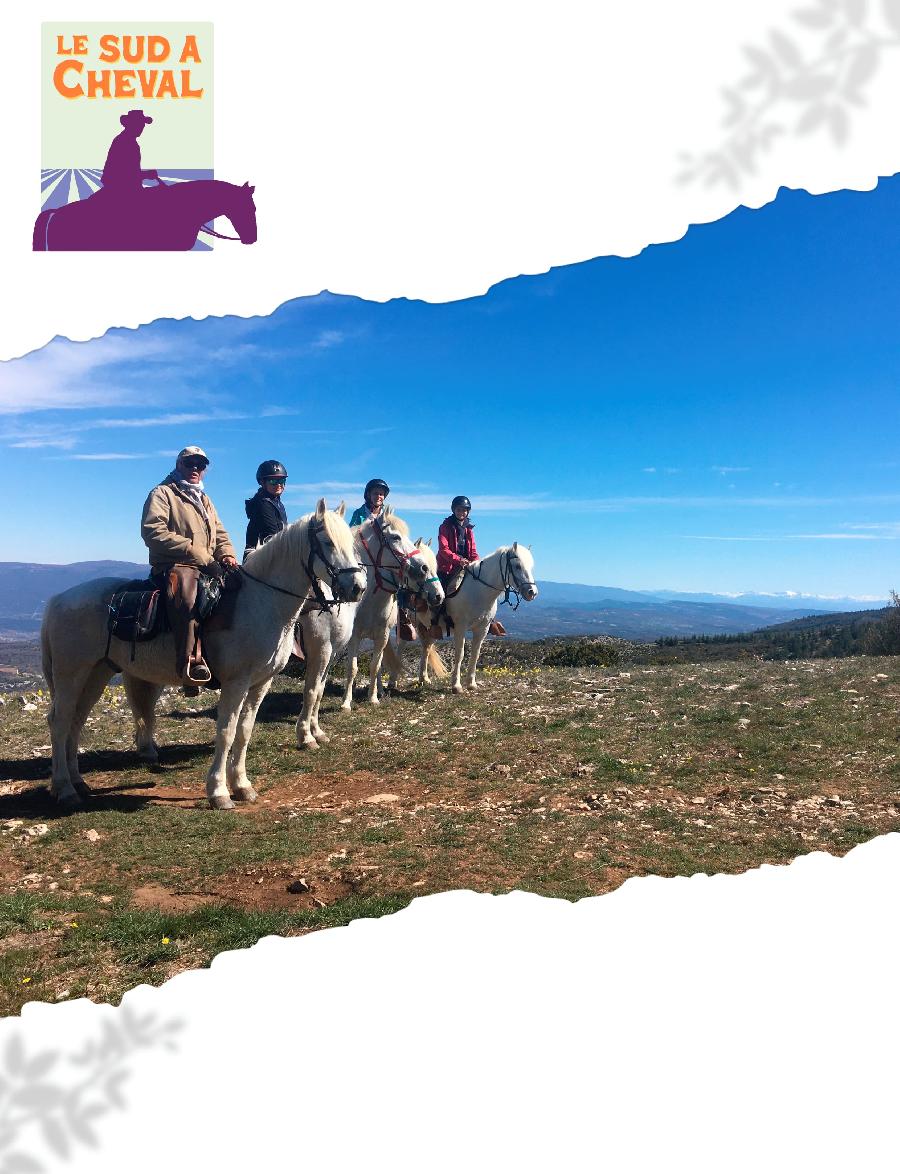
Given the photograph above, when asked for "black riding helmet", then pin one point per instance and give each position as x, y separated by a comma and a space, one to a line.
375, 483
270, 469
460, 500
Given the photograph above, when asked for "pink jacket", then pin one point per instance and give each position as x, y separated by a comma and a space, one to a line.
448, 559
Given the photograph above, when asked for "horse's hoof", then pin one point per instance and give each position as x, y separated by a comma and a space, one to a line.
246, 795
457, 688
322, 738
308, 744
346, 707
70, 804
221, 802
150, 757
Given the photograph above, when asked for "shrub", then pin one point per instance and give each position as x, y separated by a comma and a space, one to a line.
883, 636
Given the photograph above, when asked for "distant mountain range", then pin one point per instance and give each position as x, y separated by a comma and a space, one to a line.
561, 609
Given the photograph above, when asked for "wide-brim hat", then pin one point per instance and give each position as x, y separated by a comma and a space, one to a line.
192, 450
135, 116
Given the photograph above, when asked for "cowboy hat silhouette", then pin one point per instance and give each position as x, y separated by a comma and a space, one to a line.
133, 117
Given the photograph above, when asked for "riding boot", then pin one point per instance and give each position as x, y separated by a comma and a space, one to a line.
496, 628
405, 629
181, 595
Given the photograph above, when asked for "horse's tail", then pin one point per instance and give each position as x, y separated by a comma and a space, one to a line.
46, 654
39, 239
436, 663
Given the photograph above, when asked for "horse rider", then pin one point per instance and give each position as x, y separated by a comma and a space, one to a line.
374, 496
185, 537
456, 548
122, 175
265, 510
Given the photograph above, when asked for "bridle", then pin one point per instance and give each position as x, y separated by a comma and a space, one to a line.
510, 582
316, 550
391, 584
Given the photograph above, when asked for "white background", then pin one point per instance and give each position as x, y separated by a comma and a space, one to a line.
418, 150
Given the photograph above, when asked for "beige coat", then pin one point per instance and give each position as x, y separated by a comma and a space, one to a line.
177, 532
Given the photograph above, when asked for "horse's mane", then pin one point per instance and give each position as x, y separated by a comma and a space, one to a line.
428, 557
522, 552
291, 543
387, 519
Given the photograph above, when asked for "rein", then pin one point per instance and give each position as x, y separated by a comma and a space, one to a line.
507, 579
393, 586
315, 550
220, 235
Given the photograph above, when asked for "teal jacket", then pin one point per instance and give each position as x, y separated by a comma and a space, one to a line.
360, 515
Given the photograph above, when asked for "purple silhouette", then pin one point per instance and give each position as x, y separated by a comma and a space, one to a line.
122, 174
124, 215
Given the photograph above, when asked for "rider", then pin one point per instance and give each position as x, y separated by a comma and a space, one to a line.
374, 496
266, 509
456, 547
185, 536
122, 174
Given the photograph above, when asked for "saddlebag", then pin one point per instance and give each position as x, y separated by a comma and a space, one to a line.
135, 614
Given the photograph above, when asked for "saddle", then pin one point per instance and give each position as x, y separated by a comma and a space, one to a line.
135, 614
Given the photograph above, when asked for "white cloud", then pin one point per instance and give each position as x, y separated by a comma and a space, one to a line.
75, 374
786, 537
109, 456
327, 339
727, 470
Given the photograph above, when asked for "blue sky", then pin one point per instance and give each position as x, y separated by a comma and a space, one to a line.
717, 414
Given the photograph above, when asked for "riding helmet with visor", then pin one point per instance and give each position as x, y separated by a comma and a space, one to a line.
269, 470
376, 483
460, 500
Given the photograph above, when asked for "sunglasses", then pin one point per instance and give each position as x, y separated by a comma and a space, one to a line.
276, 480
197, 466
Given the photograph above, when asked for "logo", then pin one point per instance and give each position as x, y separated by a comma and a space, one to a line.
127, 141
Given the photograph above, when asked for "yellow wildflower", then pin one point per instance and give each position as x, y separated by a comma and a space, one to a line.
165, 941
26, 980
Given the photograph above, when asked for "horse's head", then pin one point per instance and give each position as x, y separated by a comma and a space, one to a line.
242, 214
332, 556
520, 571
421, 575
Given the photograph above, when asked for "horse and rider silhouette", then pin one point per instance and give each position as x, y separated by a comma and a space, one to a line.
124, 215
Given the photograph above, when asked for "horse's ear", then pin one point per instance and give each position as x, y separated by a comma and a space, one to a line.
419, 542
341, 510
515, 546
320, 509
252, 189
428, 543
529, 546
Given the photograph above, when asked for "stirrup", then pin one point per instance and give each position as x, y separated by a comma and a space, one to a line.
196, 673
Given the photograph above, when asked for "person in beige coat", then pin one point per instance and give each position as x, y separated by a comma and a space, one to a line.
185, 537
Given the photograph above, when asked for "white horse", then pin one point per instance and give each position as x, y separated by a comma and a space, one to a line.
472, 606
326, 634
277, 578
391, 562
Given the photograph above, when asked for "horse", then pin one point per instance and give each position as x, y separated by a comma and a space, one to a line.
275, 581
166, 218
391, 561
326, 635
472, 606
